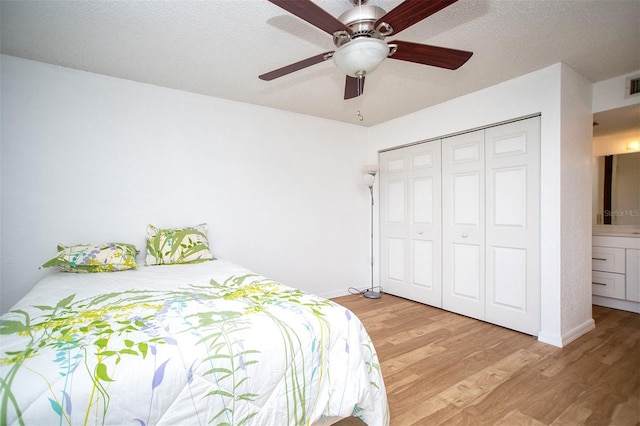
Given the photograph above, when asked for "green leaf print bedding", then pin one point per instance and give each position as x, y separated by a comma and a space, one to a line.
198, 344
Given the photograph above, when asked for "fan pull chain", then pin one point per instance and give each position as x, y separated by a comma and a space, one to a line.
358, 113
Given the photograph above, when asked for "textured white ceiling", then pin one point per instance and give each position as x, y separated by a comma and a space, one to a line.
219, 47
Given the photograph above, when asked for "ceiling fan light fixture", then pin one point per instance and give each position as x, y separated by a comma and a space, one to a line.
361, 56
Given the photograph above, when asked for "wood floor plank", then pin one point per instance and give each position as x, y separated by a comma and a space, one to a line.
441, 368
517, 418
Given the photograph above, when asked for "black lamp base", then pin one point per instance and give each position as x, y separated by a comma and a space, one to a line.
370, 294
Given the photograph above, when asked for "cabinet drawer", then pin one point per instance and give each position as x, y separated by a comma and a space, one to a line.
608, 284
608, 259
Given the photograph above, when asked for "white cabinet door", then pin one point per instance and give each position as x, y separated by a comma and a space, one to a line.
463, 217
513, 225
633, 275
410, 261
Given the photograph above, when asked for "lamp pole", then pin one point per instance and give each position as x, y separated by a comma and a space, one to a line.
371, 294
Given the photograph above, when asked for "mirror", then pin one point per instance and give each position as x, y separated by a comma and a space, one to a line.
618, 189
616, 147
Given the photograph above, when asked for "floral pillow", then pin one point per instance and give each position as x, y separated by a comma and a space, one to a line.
107, 257
177, 245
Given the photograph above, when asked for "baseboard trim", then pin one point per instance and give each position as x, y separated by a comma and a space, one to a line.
578, 331
550, 339
568, 337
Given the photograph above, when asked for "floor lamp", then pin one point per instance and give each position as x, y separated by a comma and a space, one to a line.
369, 179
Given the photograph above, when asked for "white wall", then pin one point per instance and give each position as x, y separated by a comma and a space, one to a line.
537, 92
89, 158
610, 94
576, 198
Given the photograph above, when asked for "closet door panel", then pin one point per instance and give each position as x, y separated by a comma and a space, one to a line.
422, 192
509, 200
463, 224
508, 269
395, 260
424, 227
396, 200
466, 278
410, 222
393, 220
421, 243
466, 197
512, 226
422, 262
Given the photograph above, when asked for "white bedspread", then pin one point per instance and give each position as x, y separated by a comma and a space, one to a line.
207, 343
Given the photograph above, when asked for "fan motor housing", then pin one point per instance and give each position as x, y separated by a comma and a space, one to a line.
361, 20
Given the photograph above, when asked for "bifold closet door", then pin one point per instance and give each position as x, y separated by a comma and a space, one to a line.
410, 232
463, 230
460, 224
491, 225
512, 163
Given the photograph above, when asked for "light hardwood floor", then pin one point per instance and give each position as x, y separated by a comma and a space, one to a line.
446, 369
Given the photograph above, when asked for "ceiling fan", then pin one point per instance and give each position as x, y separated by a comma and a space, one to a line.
359, 34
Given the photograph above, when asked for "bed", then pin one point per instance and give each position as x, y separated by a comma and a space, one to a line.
207, 343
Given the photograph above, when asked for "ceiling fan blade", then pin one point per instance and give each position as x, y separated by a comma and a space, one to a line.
425, 54
353, 87
313, 14
288, 69
411, 12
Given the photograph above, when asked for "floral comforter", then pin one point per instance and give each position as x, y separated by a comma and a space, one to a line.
209, 344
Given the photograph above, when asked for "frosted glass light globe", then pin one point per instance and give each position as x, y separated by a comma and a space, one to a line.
360, 56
